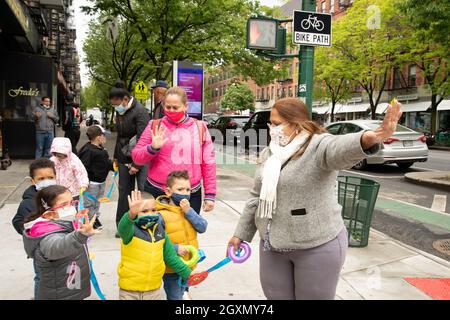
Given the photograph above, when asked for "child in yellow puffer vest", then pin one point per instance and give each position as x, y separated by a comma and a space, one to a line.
181, 223
145, 251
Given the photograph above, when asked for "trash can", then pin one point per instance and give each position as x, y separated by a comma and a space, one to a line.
357, 196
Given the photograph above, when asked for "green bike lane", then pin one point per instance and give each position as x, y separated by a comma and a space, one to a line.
395, 217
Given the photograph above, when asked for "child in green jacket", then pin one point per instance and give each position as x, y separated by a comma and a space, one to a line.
145, 251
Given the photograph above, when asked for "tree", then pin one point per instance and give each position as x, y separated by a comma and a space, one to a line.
238, 98
331, 72
111, 59
428, 48
370, 42
208, 31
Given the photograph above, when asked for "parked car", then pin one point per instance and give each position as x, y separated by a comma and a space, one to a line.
231, 124
209, 118
404, 148
255, 133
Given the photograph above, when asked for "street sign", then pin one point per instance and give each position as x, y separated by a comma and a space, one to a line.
141, 91
312, 29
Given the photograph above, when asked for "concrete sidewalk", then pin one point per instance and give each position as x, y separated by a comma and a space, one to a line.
374, 272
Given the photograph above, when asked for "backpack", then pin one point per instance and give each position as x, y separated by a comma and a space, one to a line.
200, 125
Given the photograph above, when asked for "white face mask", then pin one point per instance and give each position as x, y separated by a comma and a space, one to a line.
67, 213
277, 135
45, 183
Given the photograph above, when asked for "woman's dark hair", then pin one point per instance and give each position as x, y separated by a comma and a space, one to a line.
119, 90
45, 199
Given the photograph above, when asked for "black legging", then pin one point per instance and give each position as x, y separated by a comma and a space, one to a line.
127, 183
195, 200
74, 137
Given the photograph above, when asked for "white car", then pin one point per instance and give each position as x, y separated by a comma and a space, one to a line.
404, 148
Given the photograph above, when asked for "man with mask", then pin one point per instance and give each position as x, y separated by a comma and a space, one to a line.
159, 91
131, 120
45, 117
71, 126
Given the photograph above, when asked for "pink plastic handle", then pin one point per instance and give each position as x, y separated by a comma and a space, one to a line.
247, 251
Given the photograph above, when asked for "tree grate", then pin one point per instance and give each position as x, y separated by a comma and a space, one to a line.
442, 246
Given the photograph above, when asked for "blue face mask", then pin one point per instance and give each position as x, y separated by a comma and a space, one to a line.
176, 197
120, 108
146, 222
45, 183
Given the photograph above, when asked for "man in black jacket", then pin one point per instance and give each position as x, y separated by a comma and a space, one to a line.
71, 124
131, 120
96, 160
159, 91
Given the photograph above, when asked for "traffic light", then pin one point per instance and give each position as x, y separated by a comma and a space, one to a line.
264, 33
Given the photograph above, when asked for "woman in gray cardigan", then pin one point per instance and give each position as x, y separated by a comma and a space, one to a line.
293, 204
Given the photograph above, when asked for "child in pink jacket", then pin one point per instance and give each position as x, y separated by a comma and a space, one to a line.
185, 145
70, 171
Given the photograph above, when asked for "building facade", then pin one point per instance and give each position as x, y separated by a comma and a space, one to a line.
406, 84
38, 58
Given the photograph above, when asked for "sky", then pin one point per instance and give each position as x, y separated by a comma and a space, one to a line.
81, 24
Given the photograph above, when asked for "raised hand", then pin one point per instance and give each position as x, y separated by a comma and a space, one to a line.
182, 250
390, 121
87, 227
386, 129
135, 203
159, 137
208, 205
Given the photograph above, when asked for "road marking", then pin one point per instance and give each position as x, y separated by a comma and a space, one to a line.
372, 176
439, 202
7, 187
416, 205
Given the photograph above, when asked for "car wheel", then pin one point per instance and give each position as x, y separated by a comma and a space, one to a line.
404, 165
360, 165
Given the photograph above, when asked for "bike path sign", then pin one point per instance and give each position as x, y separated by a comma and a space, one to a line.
312, 29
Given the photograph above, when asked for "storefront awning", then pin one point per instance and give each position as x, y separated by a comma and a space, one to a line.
416, 106
444, 105
321, 110
349, 108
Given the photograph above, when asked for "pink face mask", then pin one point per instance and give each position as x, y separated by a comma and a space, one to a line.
174, 116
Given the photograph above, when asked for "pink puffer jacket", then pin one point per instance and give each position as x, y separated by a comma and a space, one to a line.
70, 172
182, 151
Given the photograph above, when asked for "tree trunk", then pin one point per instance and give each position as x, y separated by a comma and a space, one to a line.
433, 113
333, 104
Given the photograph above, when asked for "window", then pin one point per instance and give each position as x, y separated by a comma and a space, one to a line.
332, 6
412, 75
397, 79
257, 95
334, 129
278, 92
272, 95
290, 91
350, 128
324, 4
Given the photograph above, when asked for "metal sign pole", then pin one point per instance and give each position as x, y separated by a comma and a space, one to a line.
306, 65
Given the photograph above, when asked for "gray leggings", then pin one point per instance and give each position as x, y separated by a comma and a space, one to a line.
309, 274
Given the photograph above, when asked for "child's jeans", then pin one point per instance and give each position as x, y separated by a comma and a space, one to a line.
37, 278
97, 190
139, 295
171, 287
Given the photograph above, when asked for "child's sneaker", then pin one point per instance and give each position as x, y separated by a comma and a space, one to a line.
98, 225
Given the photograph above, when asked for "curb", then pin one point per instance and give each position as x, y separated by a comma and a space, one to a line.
429, 182
439, 148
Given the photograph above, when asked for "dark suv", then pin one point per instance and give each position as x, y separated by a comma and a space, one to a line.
255, 133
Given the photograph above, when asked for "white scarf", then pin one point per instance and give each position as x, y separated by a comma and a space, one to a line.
271, 173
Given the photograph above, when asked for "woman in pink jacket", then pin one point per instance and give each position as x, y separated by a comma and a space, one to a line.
178, 142
70, 171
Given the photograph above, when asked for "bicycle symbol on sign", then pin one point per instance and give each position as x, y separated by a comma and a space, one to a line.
312, 22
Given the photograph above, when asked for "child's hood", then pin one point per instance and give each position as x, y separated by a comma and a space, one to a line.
163, 203
40, 229
62, 145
